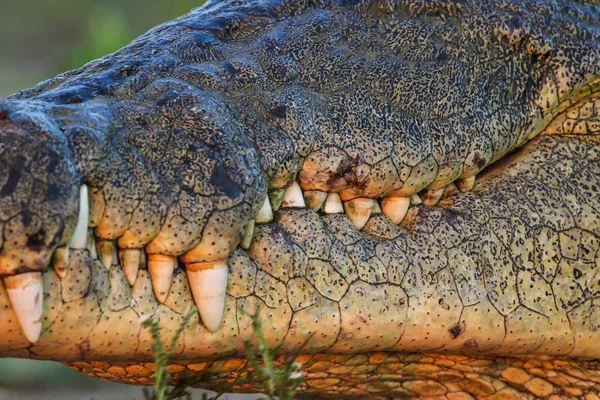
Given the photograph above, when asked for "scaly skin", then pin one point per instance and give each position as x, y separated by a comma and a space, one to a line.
491, 293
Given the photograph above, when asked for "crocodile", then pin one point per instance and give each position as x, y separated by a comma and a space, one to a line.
407, 188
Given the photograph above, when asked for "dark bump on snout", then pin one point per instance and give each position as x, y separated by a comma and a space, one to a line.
14, 176
221, 179
457, 330
36, 241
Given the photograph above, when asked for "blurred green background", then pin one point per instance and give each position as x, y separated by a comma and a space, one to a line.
39, 39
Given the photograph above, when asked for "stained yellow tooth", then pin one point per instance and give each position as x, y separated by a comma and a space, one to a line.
247, 235
26, 294
466, 184
450, 190
161, 269
333, 204
415, 199
395, 208
292, 196
130, 262
275, 197
208, 282
359, 210
265, 214
106, 252
79, 238
314, 199
376, 208
431, 197
60, 261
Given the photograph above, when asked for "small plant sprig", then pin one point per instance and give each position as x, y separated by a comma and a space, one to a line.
276, 381
161, 357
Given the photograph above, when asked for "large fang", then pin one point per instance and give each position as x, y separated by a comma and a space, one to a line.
359, 210
333, 204
247, 235
432, 196
292, 196
265, 214
314, 199
60, 260
395, 208
106, 250
26, 294
161, 269
130, 262
466, 184
208, 281
79, 238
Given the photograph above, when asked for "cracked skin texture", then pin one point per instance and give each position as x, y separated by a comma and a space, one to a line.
493, 293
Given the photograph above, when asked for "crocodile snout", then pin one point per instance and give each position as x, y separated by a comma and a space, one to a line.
39, 193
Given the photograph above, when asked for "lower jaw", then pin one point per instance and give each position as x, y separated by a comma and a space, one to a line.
443, 283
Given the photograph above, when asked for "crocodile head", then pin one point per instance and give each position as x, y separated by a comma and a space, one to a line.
409, 189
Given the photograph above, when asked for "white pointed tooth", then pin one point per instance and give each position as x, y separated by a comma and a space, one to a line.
276, 197
60, 261
395, 208
292, 196
79, 238
106, 251
91, 244
26, 294
130, 262
247, 235
161, 269
265, 214
208, 282
431, 197
359, 210
415, 199
466, 184
333, 204
314, 199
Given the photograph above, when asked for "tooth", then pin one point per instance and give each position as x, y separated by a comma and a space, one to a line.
466, 184
208, 282
450, 190
26, 294
265, 214
359, 211
415, 199
333, 204
60, 260
106, 250
431, 197
376, 208
161, 269
130, 262
276, 196
292, 197
395, 208
79, 238
314, 199
91, 244
247, 235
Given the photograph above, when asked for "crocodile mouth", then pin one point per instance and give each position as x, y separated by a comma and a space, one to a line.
363, 218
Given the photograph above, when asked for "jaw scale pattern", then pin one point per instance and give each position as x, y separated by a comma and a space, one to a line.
278, 179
